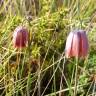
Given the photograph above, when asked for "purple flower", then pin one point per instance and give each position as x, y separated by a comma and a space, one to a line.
76, 44
20, 37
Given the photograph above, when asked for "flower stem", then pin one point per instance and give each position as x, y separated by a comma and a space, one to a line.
76, 78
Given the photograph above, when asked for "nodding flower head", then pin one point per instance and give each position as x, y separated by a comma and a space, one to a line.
76, 44
20, 37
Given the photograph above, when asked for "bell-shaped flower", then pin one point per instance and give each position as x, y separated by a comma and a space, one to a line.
20, 37
76, 44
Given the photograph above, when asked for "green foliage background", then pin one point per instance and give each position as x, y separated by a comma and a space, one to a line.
49, 22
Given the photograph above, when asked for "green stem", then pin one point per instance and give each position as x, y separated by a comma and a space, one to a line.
76, 78
39, 78
54, 80
29, 66
18, 73
79, 17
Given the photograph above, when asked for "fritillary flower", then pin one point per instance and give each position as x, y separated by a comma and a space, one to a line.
76, 44
20, 37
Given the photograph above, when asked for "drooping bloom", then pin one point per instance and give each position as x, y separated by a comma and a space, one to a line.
76, 44
20, 37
